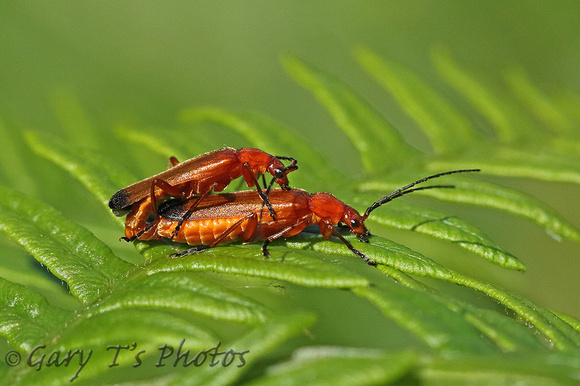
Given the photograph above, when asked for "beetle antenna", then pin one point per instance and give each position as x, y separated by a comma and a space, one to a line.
292, 160
407, 189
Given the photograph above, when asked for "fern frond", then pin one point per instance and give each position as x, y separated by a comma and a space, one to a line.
231, 296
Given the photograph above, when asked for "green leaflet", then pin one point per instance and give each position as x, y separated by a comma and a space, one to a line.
379, 144
575, 323
540, 164
494, 196
506, 333
358, 366
565, 145
528, 369
380, 250
14, 173
292, 267
152, 142
258, 343
71, 252
74, 121
26, 318
404, 215
100, 175
96, 334
567, 101
506, 119
446, 128
538, 103
556, 330
408, 307
182, 291
439, 327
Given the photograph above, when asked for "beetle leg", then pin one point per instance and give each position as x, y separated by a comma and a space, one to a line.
192, 250
138, 234
272, 184
147, 228
293, 166
188, 212
263, 196
166, 188
353, 249
303, 220
251, 231
325, 228
264, 182
172, 162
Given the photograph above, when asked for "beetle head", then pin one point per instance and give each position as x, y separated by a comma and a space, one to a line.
279, 171
355, 222
330, 208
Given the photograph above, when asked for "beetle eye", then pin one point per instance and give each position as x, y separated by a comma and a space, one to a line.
278, 173
354, 223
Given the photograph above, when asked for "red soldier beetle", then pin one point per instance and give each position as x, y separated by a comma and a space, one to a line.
199, 176
240, 216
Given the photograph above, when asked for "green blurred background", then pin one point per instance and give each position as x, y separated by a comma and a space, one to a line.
68, 65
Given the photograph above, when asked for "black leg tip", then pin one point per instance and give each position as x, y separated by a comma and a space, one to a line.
190, 251
265, 252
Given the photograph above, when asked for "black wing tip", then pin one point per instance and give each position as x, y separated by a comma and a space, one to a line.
119, 201
172, 209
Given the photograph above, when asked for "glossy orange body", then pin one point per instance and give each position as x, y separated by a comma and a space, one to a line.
217, 214
202, 174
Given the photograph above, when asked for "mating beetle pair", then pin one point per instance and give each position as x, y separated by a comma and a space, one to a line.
204, 220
